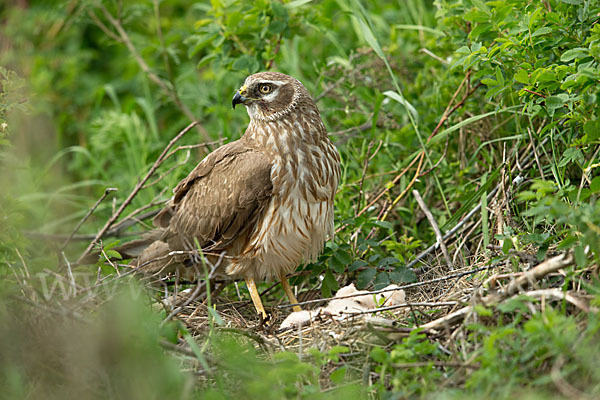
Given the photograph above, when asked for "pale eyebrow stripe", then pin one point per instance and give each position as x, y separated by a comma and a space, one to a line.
273, 82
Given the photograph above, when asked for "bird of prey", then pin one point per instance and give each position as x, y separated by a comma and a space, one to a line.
265, 200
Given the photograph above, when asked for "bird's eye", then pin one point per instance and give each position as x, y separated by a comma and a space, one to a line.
264, 89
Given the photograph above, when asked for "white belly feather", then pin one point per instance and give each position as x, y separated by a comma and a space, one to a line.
291, 233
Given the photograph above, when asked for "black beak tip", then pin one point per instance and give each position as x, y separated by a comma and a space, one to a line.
237, 99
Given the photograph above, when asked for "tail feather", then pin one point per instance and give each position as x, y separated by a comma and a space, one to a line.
132, 249
135, 248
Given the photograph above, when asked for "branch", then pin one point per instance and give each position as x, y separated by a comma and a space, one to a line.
541, 270
153, 77
408, 286
86, 216
135, 191
436, 228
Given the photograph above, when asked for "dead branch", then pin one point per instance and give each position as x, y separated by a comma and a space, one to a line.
551, 265
86, 216
408, 286
170, 92
538, 272
197, 290
404, 305
558, 294
135, 191
436, 228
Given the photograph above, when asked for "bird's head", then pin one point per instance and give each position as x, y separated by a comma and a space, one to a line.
270, 95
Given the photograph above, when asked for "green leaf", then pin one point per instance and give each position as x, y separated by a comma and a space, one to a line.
215, 315
545, 75
396, 96
277, 26
507, 244
595, 185
379, 355
522, 77
402, 275
365, 277
481, 6
356, 265
338, 375
567, 242
483, 311
499, 76
570, 155
245, 63
343, 257
384, 224
296, 4
489, 82
513, 304
574, 2
381, 280
578, 52
580, 257
387, 262
554, 102
367, 34
592, 129
113, 254
329, 284
542, 31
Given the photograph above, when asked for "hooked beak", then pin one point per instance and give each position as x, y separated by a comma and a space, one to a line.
239, 97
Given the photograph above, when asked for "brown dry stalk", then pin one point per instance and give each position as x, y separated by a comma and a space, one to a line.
135, 190
533, 275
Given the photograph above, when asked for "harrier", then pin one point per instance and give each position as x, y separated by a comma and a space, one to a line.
265, 200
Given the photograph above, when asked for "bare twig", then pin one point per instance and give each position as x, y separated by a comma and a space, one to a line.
137, 188
564, 387
558, 294
451, 232
436, 228
86, 216
408, 286
536, 93
551, 265
197, 290
405, 305
116, 23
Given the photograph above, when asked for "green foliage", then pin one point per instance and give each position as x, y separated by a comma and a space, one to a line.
518, 353
242, 374
115, 353
410, 365
101, 87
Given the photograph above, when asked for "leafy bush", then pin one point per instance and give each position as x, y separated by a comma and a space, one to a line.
457, 99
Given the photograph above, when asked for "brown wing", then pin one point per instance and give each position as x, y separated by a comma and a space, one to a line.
220, 199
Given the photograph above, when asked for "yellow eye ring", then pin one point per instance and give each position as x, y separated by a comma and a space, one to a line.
264, 89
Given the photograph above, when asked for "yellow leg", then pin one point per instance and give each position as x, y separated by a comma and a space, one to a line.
288, 290
255, 297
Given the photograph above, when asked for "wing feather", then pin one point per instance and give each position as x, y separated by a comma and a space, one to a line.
221, 199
